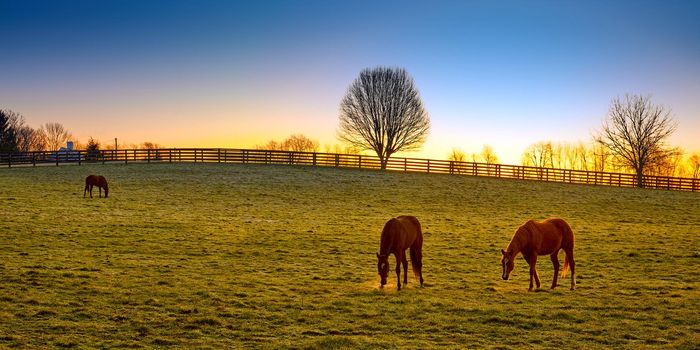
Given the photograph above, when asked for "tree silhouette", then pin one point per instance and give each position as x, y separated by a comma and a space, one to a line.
8, 132
488, 155
56, 135
382, 111
635, 131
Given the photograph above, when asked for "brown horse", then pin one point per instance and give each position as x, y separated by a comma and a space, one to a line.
541, 238
399, 234
95, 180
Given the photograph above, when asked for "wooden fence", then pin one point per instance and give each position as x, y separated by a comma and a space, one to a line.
250, 156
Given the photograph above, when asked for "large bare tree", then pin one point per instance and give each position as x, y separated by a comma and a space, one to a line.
56, 135
382, 111
635, 131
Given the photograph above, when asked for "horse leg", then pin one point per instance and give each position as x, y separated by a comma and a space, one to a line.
532, 260
555, 262
91, 191
572, 266
399, 259
85, 190
405, 269
100, 189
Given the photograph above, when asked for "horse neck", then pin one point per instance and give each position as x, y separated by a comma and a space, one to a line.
515, 245
386, 245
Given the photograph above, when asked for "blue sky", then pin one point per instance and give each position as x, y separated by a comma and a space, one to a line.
230, 74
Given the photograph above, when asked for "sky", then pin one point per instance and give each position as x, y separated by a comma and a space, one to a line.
237, 74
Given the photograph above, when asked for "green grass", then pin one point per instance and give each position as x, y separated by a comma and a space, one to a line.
219, 256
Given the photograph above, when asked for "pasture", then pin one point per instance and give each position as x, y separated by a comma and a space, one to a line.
219, 256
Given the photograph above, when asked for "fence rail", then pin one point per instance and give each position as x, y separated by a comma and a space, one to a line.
251, 156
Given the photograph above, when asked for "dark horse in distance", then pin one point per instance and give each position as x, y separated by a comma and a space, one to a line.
399, 234
541, 238
96, 180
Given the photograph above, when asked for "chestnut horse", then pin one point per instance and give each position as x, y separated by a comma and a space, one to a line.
95, 180
399, 234
541, 238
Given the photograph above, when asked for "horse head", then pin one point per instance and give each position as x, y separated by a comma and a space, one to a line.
507, 263
383, 267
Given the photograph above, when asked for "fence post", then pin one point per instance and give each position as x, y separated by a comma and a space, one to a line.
57, 156
314, 159
9, 160
359, 161
170, 155
148, 154
428, 166
33, 159
337, 160
405, 164
218, 154
126, 156
452, 167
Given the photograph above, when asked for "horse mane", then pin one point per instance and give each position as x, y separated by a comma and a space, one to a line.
520, 236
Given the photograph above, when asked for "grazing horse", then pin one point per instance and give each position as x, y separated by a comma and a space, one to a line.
541, 238
399, 234
96, 180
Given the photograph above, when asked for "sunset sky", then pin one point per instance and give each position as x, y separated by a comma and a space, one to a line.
233, 74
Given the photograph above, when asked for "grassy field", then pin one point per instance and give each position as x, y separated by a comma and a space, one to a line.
219, 256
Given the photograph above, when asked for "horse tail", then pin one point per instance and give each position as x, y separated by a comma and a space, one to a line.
567, 244
565, 269
417, 261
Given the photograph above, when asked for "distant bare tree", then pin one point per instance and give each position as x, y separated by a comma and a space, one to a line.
668, 165
56, 135
601, 157
150, 145
488, 155
635, 131
30, 139
271, 145
457, 155
300, 143
538, 154
558, 156
382, 111
694, 165
296, 143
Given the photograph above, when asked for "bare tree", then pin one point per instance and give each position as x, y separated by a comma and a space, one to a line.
694, 165
56, 135
382, 111
601, 157
271, 145
538, 154
488, 155
296, 143
635, 131
30, 139
300, 143
668, 165
457, 155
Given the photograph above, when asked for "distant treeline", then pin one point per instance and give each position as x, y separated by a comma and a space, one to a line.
17, 136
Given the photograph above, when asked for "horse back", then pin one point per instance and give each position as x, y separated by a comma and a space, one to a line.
402, 232
550, 235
